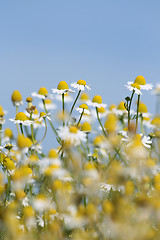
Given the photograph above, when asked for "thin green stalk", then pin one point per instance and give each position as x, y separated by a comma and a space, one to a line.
45, 131
129, 108
21, 128
51, 122
74, 105
137, 113
63, 108
32, 130
80, 117
100, 123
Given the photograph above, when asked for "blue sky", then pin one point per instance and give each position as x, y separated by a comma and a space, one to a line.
106, 43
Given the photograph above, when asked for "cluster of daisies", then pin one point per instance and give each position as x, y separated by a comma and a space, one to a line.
101, 180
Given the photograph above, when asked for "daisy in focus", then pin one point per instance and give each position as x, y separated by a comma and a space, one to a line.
96, 102
80, 85
62, 88
21, 118
42, 93
71, 135
138, 84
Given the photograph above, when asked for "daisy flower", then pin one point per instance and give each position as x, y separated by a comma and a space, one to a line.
62, 88
138, 84
138, 139
42, 93
16, 98
21, 118
72, 135
83, 108
44, 115
48, 104
96, 102
120, 110
80, 85
84, 97
101, 112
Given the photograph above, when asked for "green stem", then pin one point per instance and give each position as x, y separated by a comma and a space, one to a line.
21, 128
80, 117
137, 113
45, 131
51, 122
63, 108
74, 105
32, 132
100, 123
129, 108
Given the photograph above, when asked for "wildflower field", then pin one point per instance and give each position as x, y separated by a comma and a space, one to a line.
101, 180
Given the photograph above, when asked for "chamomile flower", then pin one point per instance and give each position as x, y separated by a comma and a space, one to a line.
83, 108
16, 98
42, 93
62, 88
101, 112
71, 135
138, 84
21, 118
84, 97
120, 110
96, 102
48, 104
80, 85
44, 115
137, 140
134, 86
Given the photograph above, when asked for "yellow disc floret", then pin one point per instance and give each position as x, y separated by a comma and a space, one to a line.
29, 99
73, 129
52, 153
43, 91
136, 85
101, 110
140, 80
142, 108
1, 111
97, 99
8, 133
62, 85
16, 96
121, 106
42, 114
84, 97
86, 127
81, 82
48, 101
84, 106
21, 116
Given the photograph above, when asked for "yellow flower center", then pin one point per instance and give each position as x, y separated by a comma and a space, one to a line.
23, 142
140, 80
142, 108
136, 85
112, 106
28, 212
101, 110
42, 114
62, 85
52, 153
16, 96
43, 91
121, 106
48, 101
84, 106
1, 111
97, 99
81, 82
21, 116
156, 121
8, 133
29, 99
97, 141
111, 122
35, 111
84, 96
8, 163
86, 127
73, 129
